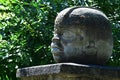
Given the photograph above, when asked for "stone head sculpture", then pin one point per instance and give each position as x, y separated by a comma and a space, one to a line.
82, 35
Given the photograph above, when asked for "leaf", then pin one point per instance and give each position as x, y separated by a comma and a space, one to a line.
0, 37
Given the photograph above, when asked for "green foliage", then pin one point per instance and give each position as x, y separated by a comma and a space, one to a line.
25, 36
26, 30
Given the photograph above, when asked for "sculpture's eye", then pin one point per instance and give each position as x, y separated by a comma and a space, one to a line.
68, 35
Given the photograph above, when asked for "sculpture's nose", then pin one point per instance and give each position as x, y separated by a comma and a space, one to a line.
55, 39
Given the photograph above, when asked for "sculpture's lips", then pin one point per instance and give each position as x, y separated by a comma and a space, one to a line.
55, 50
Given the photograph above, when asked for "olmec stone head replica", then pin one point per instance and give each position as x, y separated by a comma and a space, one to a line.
82, 35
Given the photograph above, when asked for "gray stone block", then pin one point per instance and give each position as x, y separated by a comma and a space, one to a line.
69, 71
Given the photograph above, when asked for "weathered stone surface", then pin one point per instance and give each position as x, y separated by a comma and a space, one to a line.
69, 71
82, 35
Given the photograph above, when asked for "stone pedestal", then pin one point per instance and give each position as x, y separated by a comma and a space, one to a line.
68, 71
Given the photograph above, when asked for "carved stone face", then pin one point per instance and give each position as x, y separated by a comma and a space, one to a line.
81, 37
